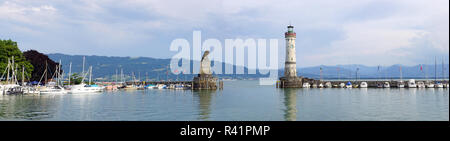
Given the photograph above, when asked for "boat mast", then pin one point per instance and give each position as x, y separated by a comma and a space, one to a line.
70, 71
84, 60
435, 70
121, 75
115, 77
320, 73
90, 75
443, 73
15, 74
339, 77
425, 73
7, 69
12, 70
23, 75
46, 75
58, 78
401, 76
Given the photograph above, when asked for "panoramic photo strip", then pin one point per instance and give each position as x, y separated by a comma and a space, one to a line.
220, 69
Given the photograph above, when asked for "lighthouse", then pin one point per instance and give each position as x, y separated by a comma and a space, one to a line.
290, 79
290, 67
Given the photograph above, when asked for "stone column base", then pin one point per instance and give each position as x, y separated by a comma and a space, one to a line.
290, 82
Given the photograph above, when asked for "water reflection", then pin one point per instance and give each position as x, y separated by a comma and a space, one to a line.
27, 107
290, 101
204, 100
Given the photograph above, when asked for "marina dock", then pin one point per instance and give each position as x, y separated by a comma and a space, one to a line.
370, 83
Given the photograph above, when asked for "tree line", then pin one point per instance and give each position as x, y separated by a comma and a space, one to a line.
33, 62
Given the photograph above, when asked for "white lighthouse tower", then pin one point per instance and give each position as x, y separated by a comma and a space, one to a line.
290, 66
290, 79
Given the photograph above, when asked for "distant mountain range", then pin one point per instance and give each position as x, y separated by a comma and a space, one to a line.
155, 69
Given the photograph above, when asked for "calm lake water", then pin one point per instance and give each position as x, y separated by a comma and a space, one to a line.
239, 100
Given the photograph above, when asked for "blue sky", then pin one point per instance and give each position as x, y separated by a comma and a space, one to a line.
329, 32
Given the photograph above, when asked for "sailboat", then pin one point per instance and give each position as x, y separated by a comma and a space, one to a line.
11, 86
400, 84
52, 87
348, 85
86, 88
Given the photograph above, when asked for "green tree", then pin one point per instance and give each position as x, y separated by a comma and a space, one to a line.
76, 79
8, 49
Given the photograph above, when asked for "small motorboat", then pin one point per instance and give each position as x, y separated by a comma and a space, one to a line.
348, 85
328, 85
151, 86
379, 85
386, 85
342, 85
161, 86
439, 85
306, 85
420, 84
321, 85
429, 85
363, 85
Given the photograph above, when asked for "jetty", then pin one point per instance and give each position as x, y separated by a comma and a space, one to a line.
313, 83
203, 81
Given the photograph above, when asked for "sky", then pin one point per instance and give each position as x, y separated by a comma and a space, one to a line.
329, 32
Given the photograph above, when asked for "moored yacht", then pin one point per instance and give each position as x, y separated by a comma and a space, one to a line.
151, 86
400, 84
412, 83
30, 90
83, 88
420, 84
439, 85
56, 89
6, 89
429, 85
161, 86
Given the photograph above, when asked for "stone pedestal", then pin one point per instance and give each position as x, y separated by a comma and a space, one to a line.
290, 82
204, 82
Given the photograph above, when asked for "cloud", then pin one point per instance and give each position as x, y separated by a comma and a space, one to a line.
329, 32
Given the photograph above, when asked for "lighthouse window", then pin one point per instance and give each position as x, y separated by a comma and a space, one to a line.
292, 59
